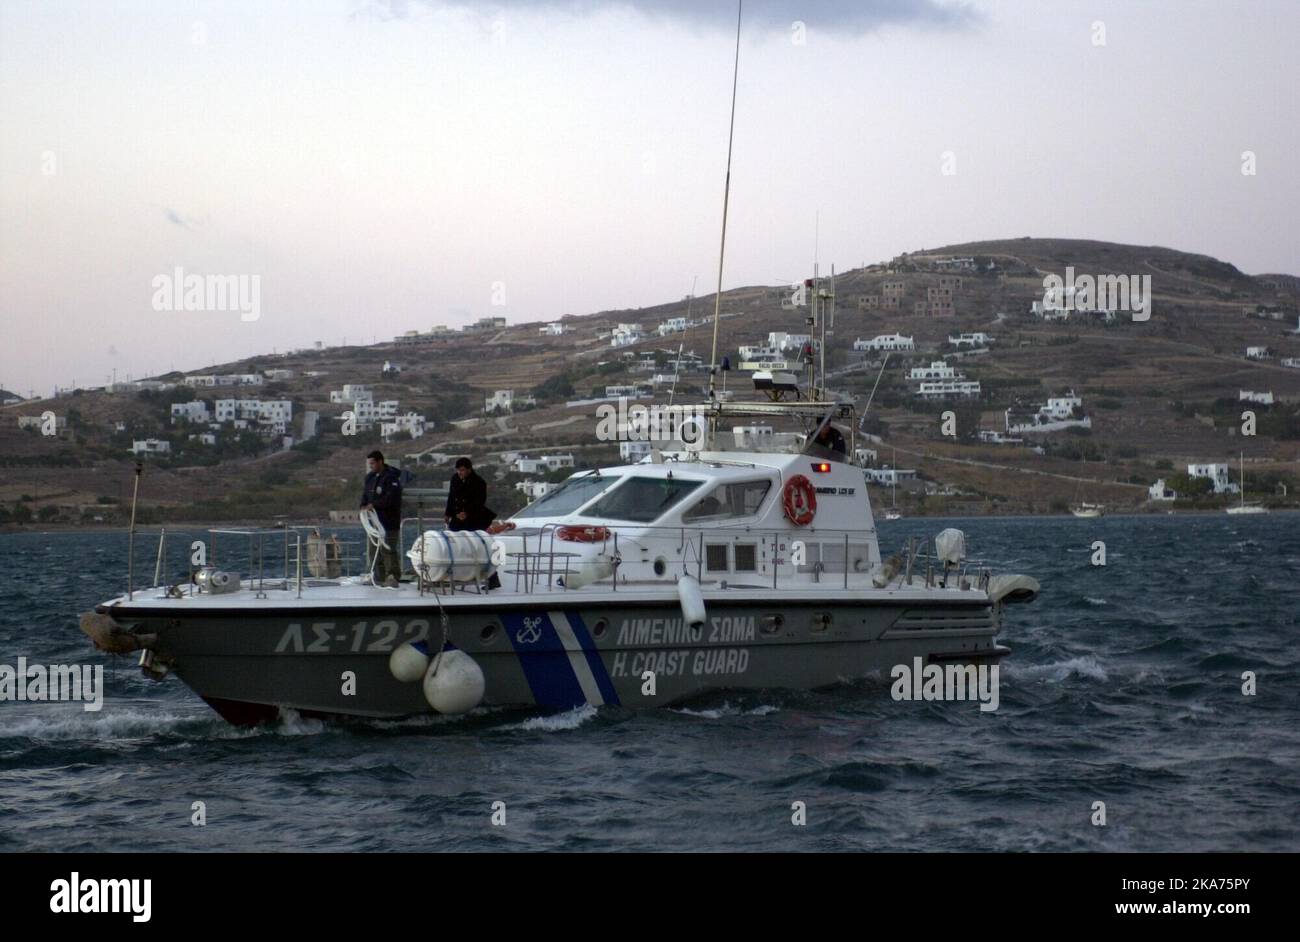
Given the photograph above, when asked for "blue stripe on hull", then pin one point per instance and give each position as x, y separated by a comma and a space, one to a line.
593, 659
549, 667
544, 660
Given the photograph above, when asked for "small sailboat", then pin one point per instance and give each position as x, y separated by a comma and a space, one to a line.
1243, 507
1083, 508
892, 513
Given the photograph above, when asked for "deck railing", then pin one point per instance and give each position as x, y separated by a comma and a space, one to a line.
287, 559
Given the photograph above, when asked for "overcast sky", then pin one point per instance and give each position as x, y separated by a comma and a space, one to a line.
389, 166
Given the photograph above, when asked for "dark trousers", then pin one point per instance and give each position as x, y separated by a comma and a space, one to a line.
389, 562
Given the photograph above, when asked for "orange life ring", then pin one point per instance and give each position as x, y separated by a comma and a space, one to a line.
582, 534
799, 498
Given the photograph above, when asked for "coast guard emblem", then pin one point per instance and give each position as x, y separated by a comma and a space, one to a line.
531, 631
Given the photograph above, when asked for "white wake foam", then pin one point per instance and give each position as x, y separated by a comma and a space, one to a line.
559, 722
1062, 670
724, 711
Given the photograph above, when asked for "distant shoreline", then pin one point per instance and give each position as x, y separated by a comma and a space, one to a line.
6, 529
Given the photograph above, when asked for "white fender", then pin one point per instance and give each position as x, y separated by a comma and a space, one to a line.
692, 599
454, 683
409, 661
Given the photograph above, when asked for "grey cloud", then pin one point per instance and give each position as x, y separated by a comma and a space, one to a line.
176, 219
839, 16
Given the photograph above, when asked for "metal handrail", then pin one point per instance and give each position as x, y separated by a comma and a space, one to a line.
542, 561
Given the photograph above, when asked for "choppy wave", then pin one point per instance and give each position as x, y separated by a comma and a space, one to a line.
1124, 682
726, 710
559, 722
1057, 671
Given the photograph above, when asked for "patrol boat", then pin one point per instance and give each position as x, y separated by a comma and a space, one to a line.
694, 570
700, 568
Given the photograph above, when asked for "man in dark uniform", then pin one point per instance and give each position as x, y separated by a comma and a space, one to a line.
467, 507
467, 499
383, 494
830, 438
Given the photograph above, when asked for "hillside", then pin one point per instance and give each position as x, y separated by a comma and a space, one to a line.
1160, 394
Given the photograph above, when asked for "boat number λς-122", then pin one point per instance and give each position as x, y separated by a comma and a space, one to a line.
363, 637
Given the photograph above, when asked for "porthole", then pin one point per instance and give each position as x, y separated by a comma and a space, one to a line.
488, 634
661, 566
598, 630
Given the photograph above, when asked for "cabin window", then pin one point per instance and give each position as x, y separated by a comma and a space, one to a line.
642, 500
746, 557
812, 557
571, 495
740, 499
859, 557
715, 557
829, 557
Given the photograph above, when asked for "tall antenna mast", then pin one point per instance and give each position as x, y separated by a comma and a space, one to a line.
726, 197
825, 326
678, 368
818, 309
817, 241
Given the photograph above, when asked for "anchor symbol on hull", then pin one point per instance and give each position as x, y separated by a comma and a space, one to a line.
531, 632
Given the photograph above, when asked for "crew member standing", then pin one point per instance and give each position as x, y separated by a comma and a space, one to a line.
467, 507
383, 494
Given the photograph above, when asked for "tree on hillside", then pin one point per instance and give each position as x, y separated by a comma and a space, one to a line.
557, 387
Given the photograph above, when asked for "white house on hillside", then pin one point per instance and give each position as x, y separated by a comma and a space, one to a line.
1219, 475
193, 411
151, 446
949, 389
535, 490
505, 400
889, 476
411, 424
544, 463
1159, 491
351, 393
625, 335
631, 452
1056, 415
885, 342
938, 369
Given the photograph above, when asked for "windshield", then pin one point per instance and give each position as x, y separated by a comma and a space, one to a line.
571, 495
642, 500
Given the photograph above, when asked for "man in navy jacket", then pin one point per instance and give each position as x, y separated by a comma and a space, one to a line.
383, 493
